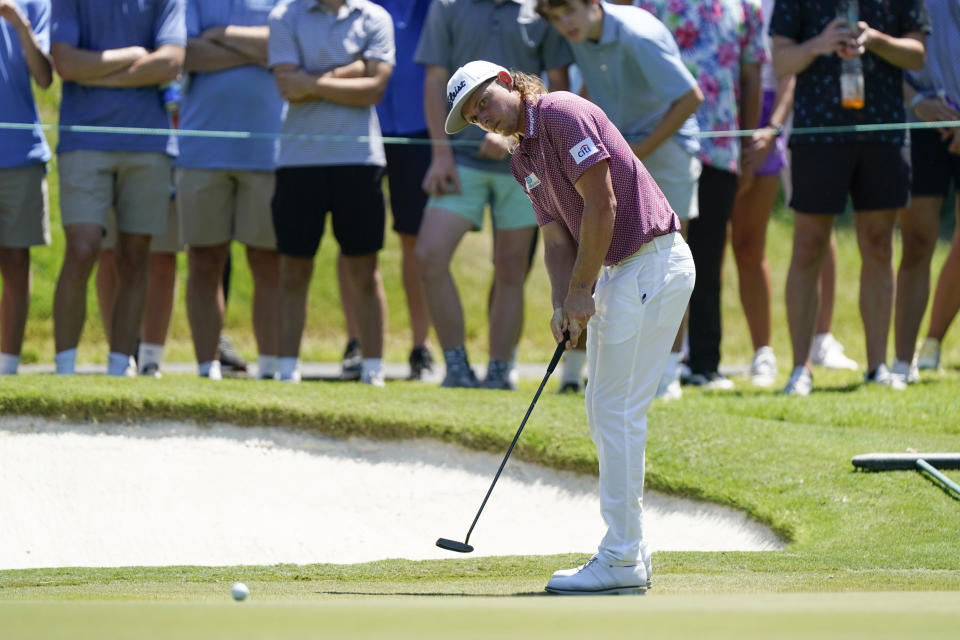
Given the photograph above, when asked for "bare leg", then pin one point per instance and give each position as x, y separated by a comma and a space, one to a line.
811, 237
416, 302
132, 256
919, 226
506, 304
827, 283
205, 302
748, 224
265, 268
347, 298
875, 238
946, 299
371, 303
106, 287
15, 272
70, 297
440, 233
295, 274
161, 291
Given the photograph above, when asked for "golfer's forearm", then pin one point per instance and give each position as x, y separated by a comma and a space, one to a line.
596, 232
559, 260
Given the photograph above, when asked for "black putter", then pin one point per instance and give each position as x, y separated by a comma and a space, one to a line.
463, 547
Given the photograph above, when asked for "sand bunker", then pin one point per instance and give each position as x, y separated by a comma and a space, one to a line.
170, 494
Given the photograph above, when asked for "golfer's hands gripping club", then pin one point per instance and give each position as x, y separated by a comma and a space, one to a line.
572, 317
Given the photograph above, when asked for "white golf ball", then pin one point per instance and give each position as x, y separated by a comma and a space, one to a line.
239, 591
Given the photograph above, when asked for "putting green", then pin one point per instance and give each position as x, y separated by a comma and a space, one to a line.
742, 617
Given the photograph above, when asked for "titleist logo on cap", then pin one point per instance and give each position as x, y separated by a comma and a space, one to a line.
456, 91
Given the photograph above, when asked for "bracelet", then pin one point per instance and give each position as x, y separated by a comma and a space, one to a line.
916, 100
778, 128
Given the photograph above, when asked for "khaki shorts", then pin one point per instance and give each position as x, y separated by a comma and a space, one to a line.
217, 206
24, 212
509, 204
169, 242
677, 173
135, 184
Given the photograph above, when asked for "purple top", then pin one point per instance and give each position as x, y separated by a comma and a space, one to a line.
565, 136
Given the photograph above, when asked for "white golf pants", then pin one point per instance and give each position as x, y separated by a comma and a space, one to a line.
639, 305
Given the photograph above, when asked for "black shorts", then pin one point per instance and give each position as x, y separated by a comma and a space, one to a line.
304, 195
406, 166
874, 174
933, 166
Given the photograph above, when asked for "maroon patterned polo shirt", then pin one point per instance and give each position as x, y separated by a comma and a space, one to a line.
566, 135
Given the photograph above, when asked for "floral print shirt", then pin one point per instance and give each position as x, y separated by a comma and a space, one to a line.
715, 37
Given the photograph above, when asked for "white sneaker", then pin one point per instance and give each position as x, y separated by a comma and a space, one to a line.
599, 577
647, 565
882, 376
293, 377
928, 358
828, 353
372, 377
800, 382
907, 371
763, 369
671, 390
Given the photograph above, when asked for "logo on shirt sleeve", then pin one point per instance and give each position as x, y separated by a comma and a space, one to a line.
531, 182
583, 150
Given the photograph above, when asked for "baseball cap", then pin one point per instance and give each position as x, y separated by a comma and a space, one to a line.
461, 86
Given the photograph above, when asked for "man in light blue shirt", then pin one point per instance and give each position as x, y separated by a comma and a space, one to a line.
224, 185
113, 56
331, 159
24, 54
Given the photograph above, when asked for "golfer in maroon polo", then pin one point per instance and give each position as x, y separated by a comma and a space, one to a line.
602, 215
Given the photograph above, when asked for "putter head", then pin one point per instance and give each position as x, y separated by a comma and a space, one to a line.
453, 545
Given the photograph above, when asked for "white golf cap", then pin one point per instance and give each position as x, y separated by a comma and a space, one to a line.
461, 86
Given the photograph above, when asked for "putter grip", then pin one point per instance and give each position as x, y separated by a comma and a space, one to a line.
561, 347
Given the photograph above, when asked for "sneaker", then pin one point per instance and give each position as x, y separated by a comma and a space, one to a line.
151, 370
800, 382
498, 377
569, 387
647, 565
710, 380
373, 378
598, 577
293, 377
907, 371
230, 361
928, 358
420, 361
828, 353
352, 365
882, 376
763, 369
669, 389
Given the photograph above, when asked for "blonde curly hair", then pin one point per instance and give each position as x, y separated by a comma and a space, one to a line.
528, 85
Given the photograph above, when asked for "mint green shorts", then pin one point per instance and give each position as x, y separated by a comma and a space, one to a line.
509, 205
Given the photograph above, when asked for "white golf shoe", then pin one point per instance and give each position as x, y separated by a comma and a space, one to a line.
763, 369
828, 353
599, 577
929, 356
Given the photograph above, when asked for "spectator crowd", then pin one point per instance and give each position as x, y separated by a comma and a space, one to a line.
318, 84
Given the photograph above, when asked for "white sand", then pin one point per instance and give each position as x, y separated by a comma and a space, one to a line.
168, 494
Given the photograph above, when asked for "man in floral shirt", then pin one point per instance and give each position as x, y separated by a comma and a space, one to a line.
721, 42
872, 167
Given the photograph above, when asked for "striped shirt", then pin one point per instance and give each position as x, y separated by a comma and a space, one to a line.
566, 135
307, 34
